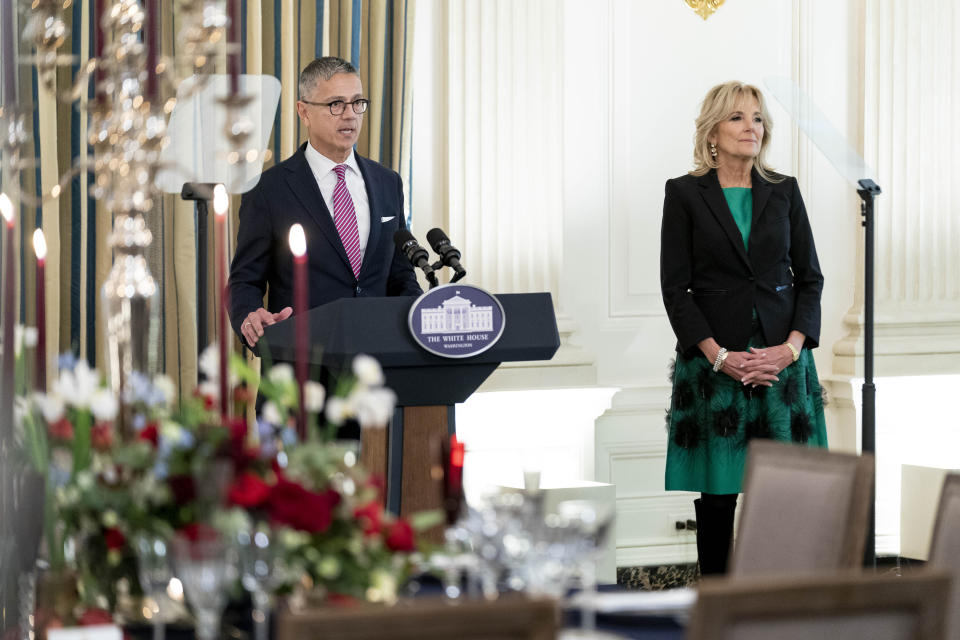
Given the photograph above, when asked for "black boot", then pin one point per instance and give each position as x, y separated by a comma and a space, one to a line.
714, 532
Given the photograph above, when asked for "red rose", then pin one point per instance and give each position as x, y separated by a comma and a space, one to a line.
400, 536
94, 617
249, 491
114, 538
61, 430
101, 436
208, 400
150, 433
294, 506
369, 517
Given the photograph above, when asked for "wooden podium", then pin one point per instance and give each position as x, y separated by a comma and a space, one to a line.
427, 386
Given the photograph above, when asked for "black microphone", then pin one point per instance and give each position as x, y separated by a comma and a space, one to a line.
417, 255
449, 255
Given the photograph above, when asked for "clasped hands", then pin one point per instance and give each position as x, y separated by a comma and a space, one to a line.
757, 367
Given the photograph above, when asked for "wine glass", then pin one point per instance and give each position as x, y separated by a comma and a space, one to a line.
153, 568
591, 525
204, 567
261, 571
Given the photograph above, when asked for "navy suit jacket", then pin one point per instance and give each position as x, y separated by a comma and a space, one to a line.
711, 284
288, 193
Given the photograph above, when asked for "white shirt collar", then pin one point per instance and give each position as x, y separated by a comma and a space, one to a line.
322, 165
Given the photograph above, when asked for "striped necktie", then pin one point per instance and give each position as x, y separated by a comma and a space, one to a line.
345, 219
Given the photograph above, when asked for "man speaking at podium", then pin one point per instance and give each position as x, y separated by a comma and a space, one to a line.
349, 207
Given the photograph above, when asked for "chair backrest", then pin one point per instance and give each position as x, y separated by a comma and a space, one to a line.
426, 618
804, 510
837, 605
945, 547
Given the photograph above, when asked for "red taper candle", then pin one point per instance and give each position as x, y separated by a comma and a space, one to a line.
233, 58
99, 38
455, 477
298, 246
152, 38
221, 205
40, 248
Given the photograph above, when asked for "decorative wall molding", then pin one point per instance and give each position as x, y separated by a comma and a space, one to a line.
911, 98
504, 154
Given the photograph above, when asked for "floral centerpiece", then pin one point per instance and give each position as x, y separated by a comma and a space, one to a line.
157, 465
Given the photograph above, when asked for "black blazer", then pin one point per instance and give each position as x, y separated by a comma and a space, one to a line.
711, 285
288, 193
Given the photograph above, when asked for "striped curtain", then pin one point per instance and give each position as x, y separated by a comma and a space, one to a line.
279, 38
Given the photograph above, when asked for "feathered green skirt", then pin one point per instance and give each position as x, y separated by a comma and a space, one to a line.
712, 417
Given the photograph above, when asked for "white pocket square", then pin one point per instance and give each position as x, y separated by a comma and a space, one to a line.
387, 218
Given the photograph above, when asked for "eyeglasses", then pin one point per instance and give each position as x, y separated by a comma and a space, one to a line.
337, 107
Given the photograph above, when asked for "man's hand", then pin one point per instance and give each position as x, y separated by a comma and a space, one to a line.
255, 321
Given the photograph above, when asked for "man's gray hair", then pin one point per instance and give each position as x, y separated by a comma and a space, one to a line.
325, 67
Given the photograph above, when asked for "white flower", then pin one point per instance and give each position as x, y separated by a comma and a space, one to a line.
337, 411
313, 396
329, 567
30, 337
271, 413
374, 407
165, 386
209, 388
109, 518
367, 370
383, 586
51, 407
24, 337
84, 480
77, 387
171, 431
103, 405
209, 363
281, 374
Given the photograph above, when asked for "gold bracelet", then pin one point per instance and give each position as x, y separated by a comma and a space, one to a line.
793, 350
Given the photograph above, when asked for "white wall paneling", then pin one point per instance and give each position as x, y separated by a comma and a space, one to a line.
548, 133
911, 137
488, 167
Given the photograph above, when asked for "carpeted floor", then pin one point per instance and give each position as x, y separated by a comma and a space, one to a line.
658, 577
671, 576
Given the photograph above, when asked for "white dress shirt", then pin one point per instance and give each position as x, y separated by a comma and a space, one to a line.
326, 177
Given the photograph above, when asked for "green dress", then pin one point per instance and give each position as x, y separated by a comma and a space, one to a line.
712, 417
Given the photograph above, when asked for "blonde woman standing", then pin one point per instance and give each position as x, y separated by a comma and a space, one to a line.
741, 284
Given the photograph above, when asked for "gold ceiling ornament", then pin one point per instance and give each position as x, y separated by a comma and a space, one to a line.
704, 8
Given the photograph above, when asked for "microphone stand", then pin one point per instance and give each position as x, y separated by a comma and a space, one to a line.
457, 274
868, 429
201, 193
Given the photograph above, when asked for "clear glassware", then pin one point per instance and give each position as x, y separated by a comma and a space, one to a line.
591, 526
261, 571
153, 569
204, 567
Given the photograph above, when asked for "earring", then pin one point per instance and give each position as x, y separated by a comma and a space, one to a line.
713, 150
